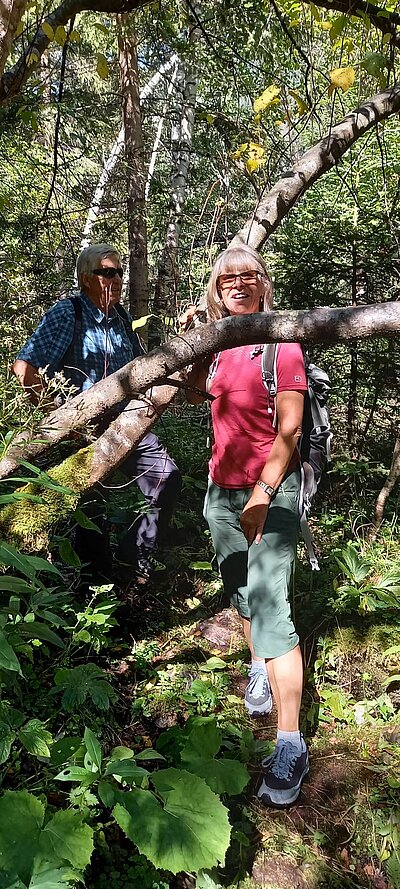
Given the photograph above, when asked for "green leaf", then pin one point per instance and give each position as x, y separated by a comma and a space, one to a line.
48, 30
51, 877
8, 658
60, 35
37, 630
213, 663
64, 749
35, 738
27, 565
147, 754
94, 755
21, 819
77, 773
118, 753
129, 771
102, 66
68, 554
107, 794
7, 738
221, 775
189, 832
337, 27
374, 63
201, 566
81, 682
83, 520
66, 837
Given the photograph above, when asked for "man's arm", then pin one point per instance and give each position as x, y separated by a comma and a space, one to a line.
30, 379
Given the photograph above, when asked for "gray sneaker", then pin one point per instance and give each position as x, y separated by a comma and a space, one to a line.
258, 698
284, 773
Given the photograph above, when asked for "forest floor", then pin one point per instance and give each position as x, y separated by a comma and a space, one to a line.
182, 653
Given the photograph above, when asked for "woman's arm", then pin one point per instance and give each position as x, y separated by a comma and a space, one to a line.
290, 415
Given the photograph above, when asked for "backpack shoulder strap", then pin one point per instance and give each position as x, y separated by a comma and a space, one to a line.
133, 337
77, 305
269, 374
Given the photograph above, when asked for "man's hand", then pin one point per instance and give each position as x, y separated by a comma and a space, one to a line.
188, 316
254, 516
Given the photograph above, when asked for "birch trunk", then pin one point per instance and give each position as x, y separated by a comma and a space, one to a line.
384, 493
138, 286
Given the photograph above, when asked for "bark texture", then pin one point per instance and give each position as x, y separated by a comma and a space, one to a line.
323, 325
11, 12
314, 163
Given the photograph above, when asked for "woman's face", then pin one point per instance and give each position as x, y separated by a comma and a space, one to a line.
242, 290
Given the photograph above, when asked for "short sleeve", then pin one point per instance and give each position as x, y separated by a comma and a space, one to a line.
291, 374
49, 343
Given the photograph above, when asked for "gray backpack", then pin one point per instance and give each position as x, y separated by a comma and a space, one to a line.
316, 437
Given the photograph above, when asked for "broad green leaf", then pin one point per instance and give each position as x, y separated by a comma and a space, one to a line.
222, 775
81, 682
21, 819
51, 877
27, 565
213, 663
102, 66
68, 554
66, 837
148, 754
77, 773
342, 78
208, 879
35, 738
337, 27
48, 30
374, 63
118, 753
8, 658
140, 322
267, 98
37, 630
129, 771
189, 832
75, 36
7, 738
64, 749
107, 794
16, 585
94, 754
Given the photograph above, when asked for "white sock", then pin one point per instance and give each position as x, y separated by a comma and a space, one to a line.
258, 665
294, 738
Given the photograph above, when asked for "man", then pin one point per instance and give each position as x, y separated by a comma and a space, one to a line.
87, 341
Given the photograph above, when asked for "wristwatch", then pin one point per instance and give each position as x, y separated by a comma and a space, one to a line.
268, 489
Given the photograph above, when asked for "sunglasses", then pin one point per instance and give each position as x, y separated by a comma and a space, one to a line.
108, 272
227, 281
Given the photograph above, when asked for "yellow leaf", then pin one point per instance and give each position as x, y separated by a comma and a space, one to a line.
32, 58
19, 30
239, 151
315, 12
102, 66
302, 106
342, 78
331, 90
266, 99
256, 150
48, 30
325, 26
210, 118
140, 322
74, 36
60, 35
252, 164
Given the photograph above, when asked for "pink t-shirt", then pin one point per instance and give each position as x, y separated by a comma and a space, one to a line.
242, 412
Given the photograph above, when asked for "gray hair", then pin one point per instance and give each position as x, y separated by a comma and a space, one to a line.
91, 257
230, 260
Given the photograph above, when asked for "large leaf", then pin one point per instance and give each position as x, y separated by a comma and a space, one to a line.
221, 775
129, 771
189, 832
50, 877
64, 749
37, 630
8, 658
66, 837
7, 738
35, 738
28, 565
21, 819
94, 756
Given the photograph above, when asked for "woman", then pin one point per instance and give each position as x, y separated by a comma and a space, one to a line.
252, 507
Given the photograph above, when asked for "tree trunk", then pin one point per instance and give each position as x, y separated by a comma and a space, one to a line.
320, 325
138, 287
384, 493
11, 12
352, 402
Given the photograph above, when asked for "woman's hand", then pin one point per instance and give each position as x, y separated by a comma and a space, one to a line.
254, 516
186, 319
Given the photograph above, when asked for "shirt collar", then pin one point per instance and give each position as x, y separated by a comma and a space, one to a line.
97, 313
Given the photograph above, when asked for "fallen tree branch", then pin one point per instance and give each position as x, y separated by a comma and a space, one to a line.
321, 325
313, 164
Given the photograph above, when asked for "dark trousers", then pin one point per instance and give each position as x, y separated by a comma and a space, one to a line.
159, 479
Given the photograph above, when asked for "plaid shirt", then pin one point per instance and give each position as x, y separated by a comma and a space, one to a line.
102, 348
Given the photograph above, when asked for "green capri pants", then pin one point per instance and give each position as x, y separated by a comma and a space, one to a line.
257, 577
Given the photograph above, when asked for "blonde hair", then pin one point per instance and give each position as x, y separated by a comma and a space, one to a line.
90, 258
230, 260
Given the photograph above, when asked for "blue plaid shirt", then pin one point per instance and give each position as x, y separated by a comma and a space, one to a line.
103, 346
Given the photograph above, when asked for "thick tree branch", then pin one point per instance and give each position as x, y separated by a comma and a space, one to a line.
322, 325
313, 164
385, 21
15, 78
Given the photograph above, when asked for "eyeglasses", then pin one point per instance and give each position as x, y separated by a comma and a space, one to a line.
108, 272
225, 282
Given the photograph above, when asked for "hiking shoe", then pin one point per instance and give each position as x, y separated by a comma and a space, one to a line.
284, 773
258, 698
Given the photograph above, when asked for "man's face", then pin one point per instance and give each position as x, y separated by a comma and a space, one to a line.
103, 291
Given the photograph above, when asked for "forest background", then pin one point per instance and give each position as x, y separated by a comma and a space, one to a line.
169, 130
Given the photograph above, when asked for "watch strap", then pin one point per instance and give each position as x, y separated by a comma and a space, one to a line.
268, 489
